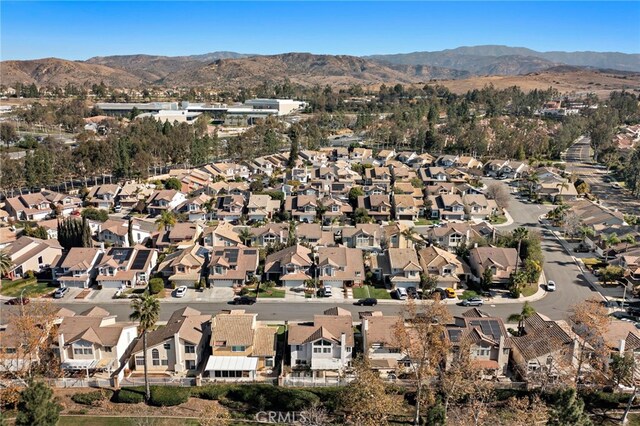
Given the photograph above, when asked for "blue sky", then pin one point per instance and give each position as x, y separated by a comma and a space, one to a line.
80, 29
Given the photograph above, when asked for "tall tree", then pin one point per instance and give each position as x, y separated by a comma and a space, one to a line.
519, 234
166, 220
568, 410
37, 406
520, 317
146, 310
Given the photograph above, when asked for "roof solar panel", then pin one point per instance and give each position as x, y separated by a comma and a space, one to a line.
202, 252
141, 259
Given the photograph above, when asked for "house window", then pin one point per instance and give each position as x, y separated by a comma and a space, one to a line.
190, 364
238, 348
10, 350
40, 260
268, 362
167, 346
165, 362
139, 360
348, 349
155, 355
394, 350
189, 349
107, 348
301, 362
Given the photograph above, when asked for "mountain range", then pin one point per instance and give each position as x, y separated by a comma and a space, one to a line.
230, 69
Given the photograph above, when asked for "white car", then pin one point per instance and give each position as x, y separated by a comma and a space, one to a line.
551, 286
327, 291
181, 291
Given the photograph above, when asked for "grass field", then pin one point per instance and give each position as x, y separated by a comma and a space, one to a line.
31, 288
369, 291
123, 421
529, 290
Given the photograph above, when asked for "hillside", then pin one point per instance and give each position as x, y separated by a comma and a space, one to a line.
59, 72
486, 60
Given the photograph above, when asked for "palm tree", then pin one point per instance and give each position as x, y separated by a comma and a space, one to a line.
519, 234
609, 241
629, 239
562, 185
166, 220
587, 231
146, 309
526, 312
533, 179
245, 236
5, 264
408, 233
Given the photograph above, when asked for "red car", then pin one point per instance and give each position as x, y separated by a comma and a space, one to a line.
18, 301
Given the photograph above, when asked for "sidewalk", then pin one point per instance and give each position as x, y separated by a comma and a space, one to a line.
509, 219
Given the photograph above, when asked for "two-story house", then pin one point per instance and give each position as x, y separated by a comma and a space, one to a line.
180, 235
270, 234
261, 208
302, 208
334, 210
221, 235
377, 176
126, 267
478, 206
230, 208
178, 348
116, 232
232, 266
290, 266
78, 267
33, 207
197, 208
184, 267
450, 236
398, 266
93, 341
500, 260
312, 234
381, 345
447, 207
485, 337
364, 236
164, 200
406, 207
31, 254
378, 206
103, 196
241, 348
340, 267
449, 269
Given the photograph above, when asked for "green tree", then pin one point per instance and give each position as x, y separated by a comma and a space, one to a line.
519, 234
361, 215
354, 193
611, 273
568, 410
487, 278
100, 215
622, 368
74, 233
294, 136
37, 406
173, 183
5, 263
146, 310
526, 312
245, 235
166, 220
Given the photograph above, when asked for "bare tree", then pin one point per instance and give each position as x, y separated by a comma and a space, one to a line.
590, 321
498, 193
423, 340
213, 414
315, 416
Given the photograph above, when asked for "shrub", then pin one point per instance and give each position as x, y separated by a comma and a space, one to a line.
605, 400
30, 275
90, 398
258, 397
211, 392
168, 396
156, 285
128, 396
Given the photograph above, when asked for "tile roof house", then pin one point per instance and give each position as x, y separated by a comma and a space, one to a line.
116, 232
323, 348
182, 234
364, 236
232, 266
178, 348
230, 207
242, 348
334, 210
289, 266
221, 235
184, 267
32, 254
378, 206
477, 206
400, 267
406, 207
450, 236
261, 207
126, 267
33, 207
447, 207
93, 341
449, 269
501, 261
103, 196
302, 208
381, 344
377, 176
270, 234
485, 336
164, 200
312, 234
78, 267
547, 347
340, 267
197, 208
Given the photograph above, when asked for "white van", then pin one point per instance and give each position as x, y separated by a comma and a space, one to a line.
401, 293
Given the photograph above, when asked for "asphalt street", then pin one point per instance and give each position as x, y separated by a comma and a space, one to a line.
579, 161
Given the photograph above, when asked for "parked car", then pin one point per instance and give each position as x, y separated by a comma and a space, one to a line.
243, 300
181, 291
551, 286
59, 294
451, 293
401, 293
582, 248
117, 208
18, 301
328, 291
412, 292
473, 301
370, 301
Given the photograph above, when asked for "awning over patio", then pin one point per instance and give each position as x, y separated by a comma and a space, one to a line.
231, 363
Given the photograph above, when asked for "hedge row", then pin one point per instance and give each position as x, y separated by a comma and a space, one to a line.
168, 396
91, 398
128, 396
260, 397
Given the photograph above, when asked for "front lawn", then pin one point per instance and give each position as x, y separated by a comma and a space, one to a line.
468, 294
31, 287
424, 222
497, 220
369, 291
273, 293
529, 290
